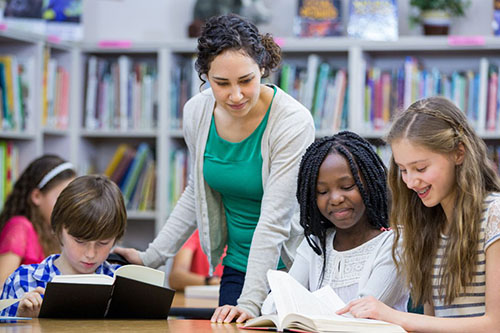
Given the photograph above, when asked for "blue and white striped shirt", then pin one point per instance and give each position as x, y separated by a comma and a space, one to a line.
28, 277
471, 301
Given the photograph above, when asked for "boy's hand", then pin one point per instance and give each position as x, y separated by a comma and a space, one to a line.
30, 303
132, 255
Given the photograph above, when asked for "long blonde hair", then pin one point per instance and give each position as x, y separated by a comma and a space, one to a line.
438, 125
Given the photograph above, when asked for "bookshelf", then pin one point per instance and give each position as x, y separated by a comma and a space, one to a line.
91, 148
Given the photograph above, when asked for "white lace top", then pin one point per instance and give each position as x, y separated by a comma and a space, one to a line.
345, 267
471, 301
367, 270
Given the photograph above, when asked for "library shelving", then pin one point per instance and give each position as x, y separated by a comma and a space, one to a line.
132, 96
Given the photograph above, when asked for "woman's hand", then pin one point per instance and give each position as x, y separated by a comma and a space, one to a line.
368, 307
132, 255
226, 314
30, 303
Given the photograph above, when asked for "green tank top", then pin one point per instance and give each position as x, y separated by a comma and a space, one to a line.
234, 169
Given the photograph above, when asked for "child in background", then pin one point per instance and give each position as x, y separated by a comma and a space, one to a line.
25, 233
191, 267
88, 218
343, 201
446, 209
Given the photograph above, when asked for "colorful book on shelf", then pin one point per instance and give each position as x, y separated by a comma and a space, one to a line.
373, 19
118, 174
134, 292
299, 309
115, 160
132, 176
318, 18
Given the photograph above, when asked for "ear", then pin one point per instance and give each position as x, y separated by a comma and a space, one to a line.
460, 154
36, 196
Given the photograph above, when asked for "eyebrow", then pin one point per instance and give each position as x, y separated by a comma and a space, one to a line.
414, 162
224, 79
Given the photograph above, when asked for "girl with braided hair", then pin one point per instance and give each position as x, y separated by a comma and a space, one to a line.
446, 211
343, 201
25, 233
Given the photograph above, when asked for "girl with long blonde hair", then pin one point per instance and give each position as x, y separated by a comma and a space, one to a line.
446, 210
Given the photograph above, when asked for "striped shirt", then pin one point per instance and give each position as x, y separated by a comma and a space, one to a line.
28, 277
471, 301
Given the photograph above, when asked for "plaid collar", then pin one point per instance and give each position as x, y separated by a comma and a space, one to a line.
48, 268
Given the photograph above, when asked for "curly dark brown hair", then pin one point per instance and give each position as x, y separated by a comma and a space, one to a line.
233, 32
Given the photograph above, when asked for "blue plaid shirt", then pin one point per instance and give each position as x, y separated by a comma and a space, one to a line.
28, 277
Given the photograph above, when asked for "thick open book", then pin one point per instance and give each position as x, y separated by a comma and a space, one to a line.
299, 309
134, 292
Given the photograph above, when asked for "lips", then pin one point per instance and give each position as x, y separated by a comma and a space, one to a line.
237, 106
422, 193
341, 213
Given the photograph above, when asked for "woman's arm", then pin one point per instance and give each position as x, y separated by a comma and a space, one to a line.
369, 307
9, 262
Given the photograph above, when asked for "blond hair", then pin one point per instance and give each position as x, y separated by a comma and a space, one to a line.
438, 125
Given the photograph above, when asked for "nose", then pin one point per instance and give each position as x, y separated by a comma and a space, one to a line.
336, 198
90, 250
236, 94
411, 180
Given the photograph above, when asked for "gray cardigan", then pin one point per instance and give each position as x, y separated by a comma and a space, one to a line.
289, 132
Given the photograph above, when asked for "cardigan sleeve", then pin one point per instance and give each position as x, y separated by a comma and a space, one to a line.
293, 134
182, 221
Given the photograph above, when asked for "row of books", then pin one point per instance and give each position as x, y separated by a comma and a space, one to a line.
178, 177
184, 84
56, 82
134, 171
121, 94
9, 169
16, 76
322, 88
388, 91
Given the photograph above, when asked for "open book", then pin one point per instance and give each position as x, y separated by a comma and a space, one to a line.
134, 292
299, 309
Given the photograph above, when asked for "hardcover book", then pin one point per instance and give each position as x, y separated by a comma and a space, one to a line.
134, 292
318, 18
297, 309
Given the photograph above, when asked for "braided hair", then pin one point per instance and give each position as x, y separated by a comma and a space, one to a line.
19, 202
368, 171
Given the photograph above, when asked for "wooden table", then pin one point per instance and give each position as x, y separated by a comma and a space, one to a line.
108, 325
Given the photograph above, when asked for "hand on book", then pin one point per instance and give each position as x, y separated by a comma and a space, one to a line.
30, 303
226, 314
132, 255
368, 307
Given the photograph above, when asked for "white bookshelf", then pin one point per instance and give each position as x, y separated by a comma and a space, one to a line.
81, 145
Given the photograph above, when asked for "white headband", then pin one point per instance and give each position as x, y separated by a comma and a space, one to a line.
54, 172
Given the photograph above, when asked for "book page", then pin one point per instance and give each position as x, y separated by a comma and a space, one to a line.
329, 297
83, 279
5, 303
268, 321
292, 297
142, 273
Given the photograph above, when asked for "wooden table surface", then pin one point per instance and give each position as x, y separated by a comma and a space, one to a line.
44, 325
113, 325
